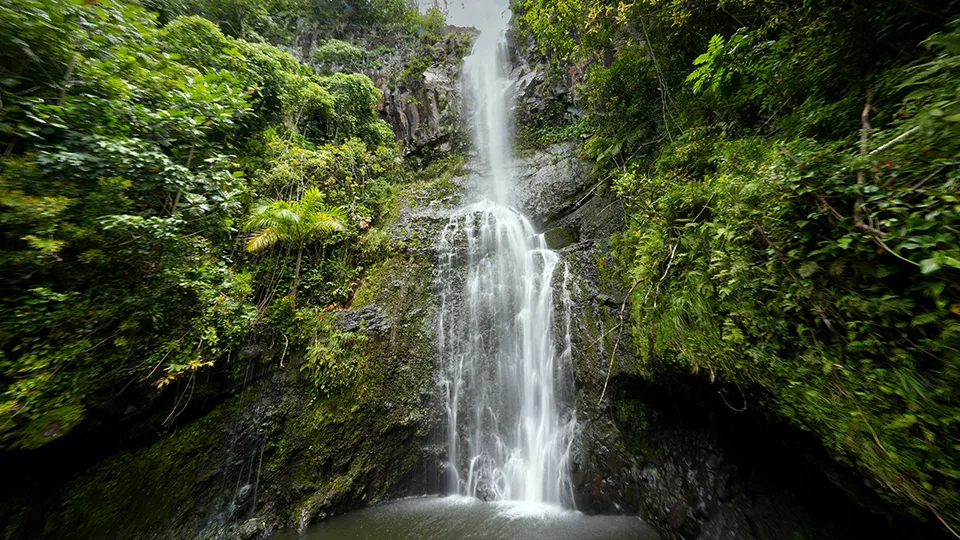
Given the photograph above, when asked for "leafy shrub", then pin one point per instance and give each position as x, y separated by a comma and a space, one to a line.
790, 176
132, 154
336, 55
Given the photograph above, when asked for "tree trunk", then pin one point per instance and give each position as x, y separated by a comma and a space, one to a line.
296, 276
67, 80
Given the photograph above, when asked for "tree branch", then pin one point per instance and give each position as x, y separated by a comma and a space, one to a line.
896, 139
862, 174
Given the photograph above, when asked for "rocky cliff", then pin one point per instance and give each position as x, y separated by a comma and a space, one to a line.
283, 452
676, 453
419, 77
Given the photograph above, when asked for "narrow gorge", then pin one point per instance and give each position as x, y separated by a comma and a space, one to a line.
385, 270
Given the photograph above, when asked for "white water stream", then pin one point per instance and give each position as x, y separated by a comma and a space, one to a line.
507, 378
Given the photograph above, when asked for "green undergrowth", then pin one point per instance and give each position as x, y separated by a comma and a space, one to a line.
541, 134
126, 190
137, 148
745, 282
321, 450
131, 177
793, 237
537, 129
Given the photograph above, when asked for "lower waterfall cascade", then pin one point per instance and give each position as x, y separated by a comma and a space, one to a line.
507, 379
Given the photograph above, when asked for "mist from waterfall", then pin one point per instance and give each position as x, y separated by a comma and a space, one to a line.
509, 392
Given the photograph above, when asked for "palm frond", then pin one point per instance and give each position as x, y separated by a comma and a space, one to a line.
300, 221
311, 199
264, 238
326, 219
276, 213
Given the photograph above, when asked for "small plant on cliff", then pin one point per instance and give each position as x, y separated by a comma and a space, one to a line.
335, 55
294, 222
335, 356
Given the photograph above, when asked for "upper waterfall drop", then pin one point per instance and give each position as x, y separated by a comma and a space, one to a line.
489, 92
509, 393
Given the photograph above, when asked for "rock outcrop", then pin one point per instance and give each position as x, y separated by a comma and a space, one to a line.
668, 452
425, 107
419, 81
426, 116
542, 97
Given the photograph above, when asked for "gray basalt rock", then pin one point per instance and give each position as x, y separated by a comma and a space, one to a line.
424, 112
635, 454
550, 183
424, 117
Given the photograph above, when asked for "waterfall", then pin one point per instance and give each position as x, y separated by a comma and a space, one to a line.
509, 393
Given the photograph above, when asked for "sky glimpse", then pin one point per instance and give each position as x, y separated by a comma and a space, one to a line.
478, 13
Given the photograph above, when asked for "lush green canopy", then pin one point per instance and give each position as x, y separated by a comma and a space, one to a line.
132, 153
791, 173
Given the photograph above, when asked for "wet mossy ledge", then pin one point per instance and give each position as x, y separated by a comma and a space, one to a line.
340, 415
283, 453
347, 420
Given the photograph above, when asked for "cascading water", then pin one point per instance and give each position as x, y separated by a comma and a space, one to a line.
509, 393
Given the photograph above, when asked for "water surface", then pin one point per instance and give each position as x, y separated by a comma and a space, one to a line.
464, 518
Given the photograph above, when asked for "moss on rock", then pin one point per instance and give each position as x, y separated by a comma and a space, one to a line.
286, 451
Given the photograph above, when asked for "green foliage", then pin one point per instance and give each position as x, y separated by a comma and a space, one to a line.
413, 70
743, 277
335, 55
432, 42
132, 153
352, 175
354, 97
716, 70
382, 13
538, 134
252, 20
334, 359
556, 25
296, 222
302, 221
790, 174
318, 452
320, 108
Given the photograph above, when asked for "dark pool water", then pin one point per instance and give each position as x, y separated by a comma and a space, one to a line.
461, 518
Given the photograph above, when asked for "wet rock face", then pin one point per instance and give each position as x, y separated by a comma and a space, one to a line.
550, 184
276, 455
674, 474
699, 469
425, 112
369, 319
650, 450
537, 93
427, 116
423, 106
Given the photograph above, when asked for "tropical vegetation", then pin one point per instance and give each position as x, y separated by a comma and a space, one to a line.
790, 171
143, 147
183, 180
